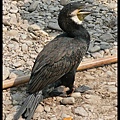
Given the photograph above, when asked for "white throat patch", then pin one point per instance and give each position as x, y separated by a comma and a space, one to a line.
76, 20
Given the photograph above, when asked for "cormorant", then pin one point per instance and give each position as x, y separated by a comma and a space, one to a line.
59, 59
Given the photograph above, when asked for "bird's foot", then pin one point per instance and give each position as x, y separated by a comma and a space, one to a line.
71, 90
59, 91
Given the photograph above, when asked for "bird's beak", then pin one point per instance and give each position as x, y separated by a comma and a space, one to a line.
84, 12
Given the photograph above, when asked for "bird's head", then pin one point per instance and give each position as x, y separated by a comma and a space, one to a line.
74, 12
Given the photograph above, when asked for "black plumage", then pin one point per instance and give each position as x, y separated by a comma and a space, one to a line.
59, 59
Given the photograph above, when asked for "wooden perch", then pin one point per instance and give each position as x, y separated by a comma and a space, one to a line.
83, 66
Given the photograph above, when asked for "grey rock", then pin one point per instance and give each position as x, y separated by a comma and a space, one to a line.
6, 22
17, 64
88, 18
24, 48
81, 111
47, 108
23, 36
107, 37
12, 33
9, 117
14, 9
64, 115
54, 26
34, 27
113, 52
17, 96
68, 100
18, 72
6, 72
76, 94
90, 1
33, 6
104, 46
53, 118
12, 75
112, 5
112, 89
97, 55
115, 43
82, 88
94, 49
64, 2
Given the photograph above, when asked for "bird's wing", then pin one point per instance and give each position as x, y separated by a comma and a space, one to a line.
54, 61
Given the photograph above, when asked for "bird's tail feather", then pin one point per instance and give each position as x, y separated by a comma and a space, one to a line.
29, 106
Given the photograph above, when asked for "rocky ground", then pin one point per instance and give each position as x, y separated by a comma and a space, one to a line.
28, 25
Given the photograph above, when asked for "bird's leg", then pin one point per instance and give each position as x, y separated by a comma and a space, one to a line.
68, 81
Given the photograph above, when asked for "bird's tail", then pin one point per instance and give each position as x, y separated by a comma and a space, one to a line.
29, 106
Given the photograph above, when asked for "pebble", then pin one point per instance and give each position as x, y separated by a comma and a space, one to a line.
40, 108
47, 108
112, 89
81, 111
53, 118
6, 72
97, 55
34, 27
94, 49
76, 94
64, 2
24, 48
107, 37
12, 32
17, 64
14, 9
54, 26
9, 117
68, 101
33, 6
103, 46
12, 75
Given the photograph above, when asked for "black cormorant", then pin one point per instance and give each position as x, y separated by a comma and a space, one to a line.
59, 59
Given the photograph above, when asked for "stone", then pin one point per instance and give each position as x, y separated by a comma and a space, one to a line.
103, 46
9, 117
23, 36
12, 75
33, 6
47, 108
24, 48
14, 9
34, 27
17, 64
6, 72
68, 101
112, 5
53, 118
88, 18
54, 26
112, 89
114, 52
81, 111
82, 88
40, 108
94, 49
64, 2
107, 37
12, 33
97, 55
76, 94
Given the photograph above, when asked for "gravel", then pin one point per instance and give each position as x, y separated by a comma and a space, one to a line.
28, 26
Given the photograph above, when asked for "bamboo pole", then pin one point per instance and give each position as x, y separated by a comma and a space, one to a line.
83, 66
